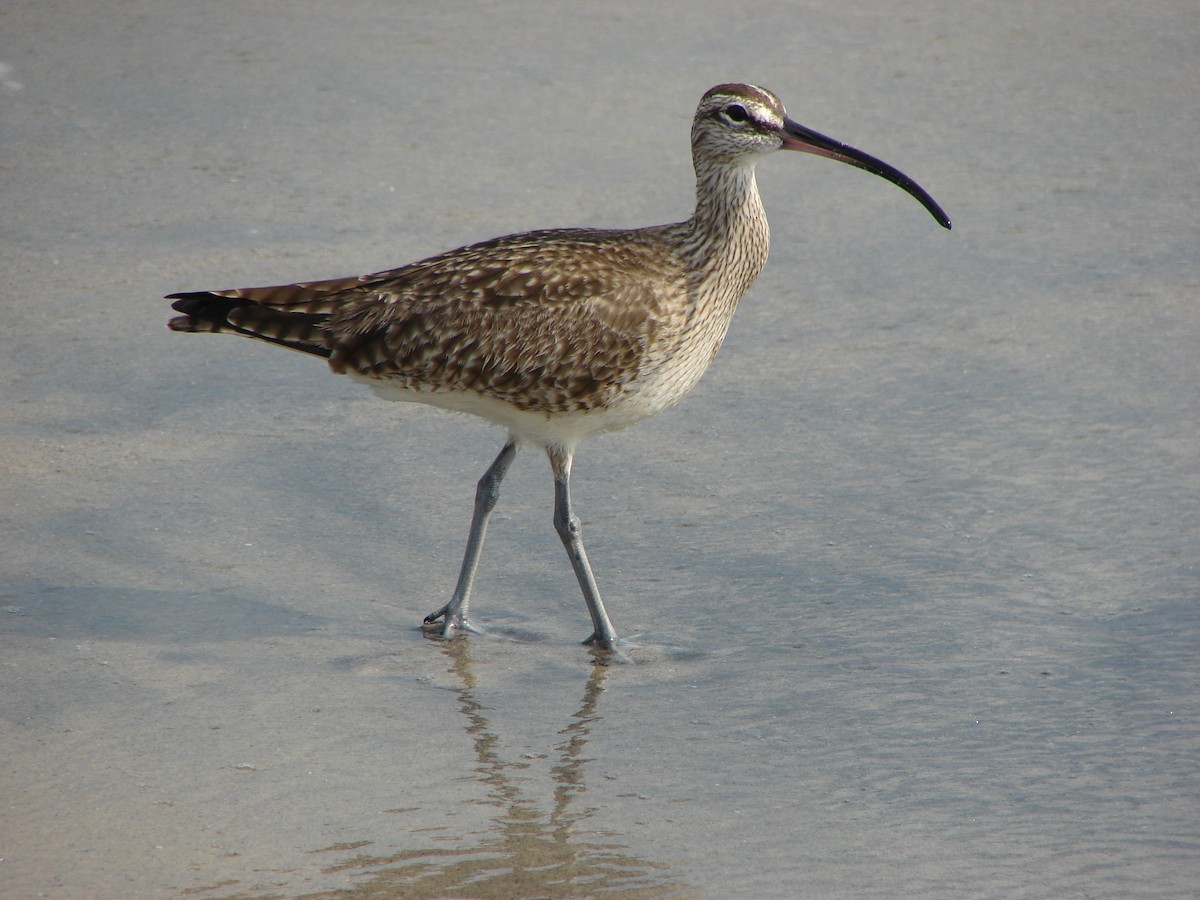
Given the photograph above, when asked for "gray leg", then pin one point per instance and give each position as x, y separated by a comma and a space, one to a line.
566, 523
487, 492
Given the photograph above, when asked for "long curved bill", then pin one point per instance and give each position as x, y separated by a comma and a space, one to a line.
797, 137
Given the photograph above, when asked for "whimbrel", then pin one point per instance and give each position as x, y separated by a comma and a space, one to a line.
554, 335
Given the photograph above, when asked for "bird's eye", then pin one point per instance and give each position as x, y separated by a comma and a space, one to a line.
736, 113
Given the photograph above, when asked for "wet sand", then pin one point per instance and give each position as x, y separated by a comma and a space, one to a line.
913, 572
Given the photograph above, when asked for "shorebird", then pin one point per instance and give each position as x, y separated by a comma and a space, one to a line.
554, 335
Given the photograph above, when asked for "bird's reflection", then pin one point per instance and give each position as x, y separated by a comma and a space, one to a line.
528, 852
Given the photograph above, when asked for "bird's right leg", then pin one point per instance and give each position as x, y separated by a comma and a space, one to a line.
487, 492
566, 523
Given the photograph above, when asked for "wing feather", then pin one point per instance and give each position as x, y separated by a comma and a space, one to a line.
547, 320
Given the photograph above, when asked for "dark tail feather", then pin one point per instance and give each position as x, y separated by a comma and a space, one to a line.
204, 311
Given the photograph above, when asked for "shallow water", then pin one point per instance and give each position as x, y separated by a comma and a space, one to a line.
910, 582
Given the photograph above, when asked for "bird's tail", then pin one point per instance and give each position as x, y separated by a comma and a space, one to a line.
290, 325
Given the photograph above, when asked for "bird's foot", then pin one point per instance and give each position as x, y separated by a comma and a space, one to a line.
434, 616
453, 621
609, 643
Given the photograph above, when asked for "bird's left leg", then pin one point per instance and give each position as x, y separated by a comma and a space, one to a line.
487, 492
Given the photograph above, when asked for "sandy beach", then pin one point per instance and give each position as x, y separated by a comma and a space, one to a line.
913, 574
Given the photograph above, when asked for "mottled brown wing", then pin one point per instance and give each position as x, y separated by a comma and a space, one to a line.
553, 320
549, 320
